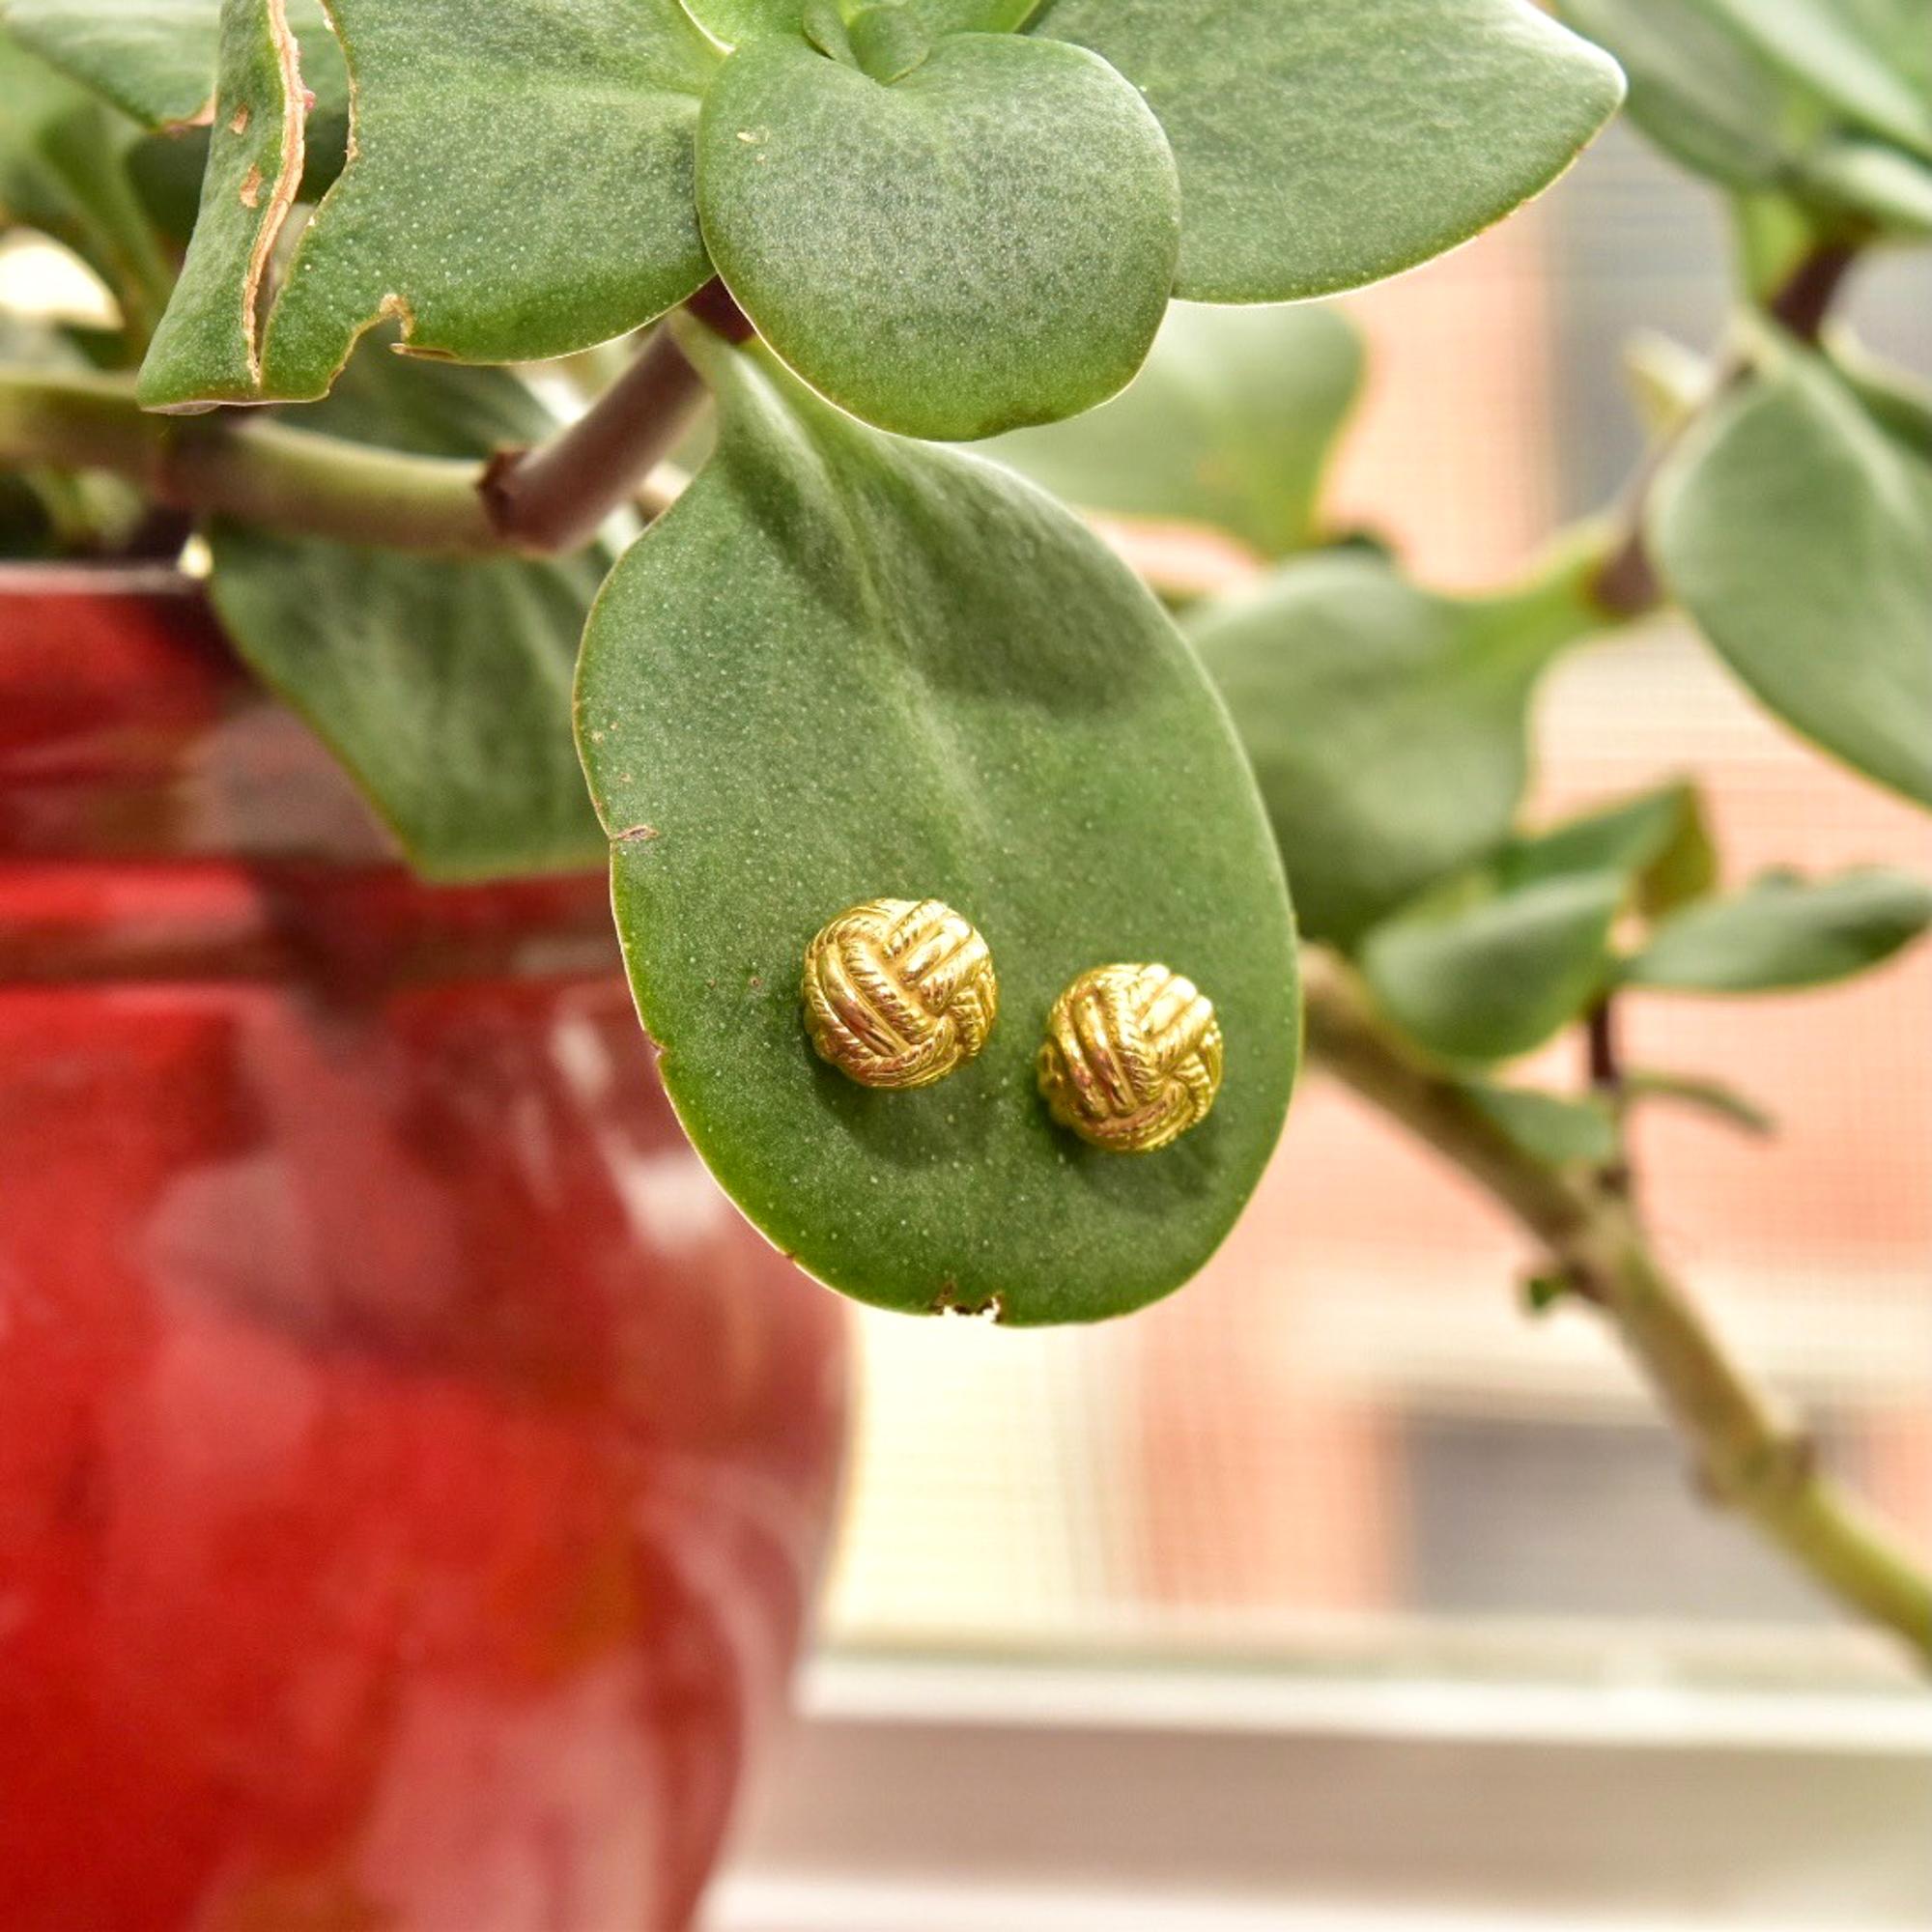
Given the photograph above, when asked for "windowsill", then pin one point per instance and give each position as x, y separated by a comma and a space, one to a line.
951, 1796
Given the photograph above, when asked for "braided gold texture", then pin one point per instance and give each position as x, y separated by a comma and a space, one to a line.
1132, 1058
898, 993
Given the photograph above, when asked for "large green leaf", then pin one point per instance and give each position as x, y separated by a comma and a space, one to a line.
987, 242
1798, 534
521, 185
1387, 726
1229, 423
445, 687
1325, 143
1475, 973
1783, 931
843, 667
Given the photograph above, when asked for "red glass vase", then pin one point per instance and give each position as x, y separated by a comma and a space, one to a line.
413, 1471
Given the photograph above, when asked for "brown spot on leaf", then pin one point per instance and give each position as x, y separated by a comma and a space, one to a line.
637, 835
240, 124
251, 188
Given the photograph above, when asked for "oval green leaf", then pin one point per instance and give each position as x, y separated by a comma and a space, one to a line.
1475, 973
1387, 726
1326, 143
844, 667
1783, 932
988, 241
1230, 423
1798, 534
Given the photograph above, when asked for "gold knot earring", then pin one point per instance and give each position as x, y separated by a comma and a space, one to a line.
1132, 1058
899, 993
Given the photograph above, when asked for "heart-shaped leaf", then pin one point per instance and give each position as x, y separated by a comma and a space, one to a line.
443, 686
1387, 726
1230, 423
1798, 534
155, 59
987, 242
1326, 143
844, 667
520, 185
1783, 931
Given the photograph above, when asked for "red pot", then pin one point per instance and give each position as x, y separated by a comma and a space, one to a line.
412, 1473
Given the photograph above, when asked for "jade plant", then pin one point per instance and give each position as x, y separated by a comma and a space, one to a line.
729, 612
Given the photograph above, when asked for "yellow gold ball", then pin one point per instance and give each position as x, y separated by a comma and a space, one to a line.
900, 992
1132, 1058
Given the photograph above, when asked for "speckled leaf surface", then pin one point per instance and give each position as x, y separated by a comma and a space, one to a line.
736, 24
1783, 932
987, 242
443, 686
1798, 534
155, 59
1325, 143
973, 16
843, 667
520, 185
1387, 726
1230, 423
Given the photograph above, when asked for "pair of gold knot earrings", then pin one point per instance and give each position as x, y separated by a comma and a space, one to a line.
899, 993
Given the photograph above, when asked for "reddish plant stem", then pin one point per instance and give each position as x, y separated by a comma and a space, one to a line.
1628, 586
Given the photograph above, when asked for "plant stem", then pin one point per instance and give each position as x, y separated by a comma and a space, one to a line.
539, 502
1748, 1455
276, 475
1628, 586
553, 498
